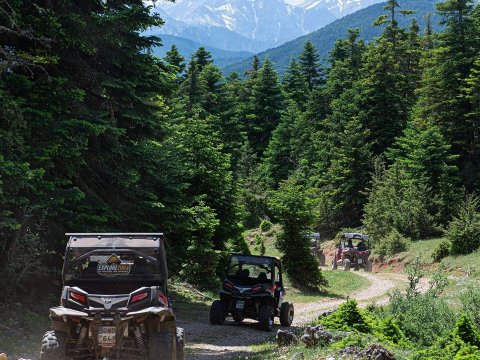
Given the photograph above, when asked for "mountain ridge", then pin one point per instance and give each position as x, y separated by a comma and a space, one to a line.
250, 25
325, 38
187, 47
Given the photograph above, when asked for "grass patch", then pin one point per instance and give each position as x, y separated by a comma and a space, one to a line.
21, 330
456, 265
345, 283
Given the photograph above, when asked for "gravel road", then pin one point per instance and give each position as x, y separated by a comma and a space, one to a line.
205, 341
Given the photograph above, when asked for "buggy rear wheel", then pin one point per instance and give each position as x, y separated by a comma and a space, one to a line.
286, 314
54, 346
334, 264
217, 313
321, 259
162, 346
266, 318
368, 266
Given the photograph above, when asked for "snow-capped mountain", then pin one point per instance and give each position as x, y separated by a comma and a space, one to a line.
271, 22
250, 25
339, 8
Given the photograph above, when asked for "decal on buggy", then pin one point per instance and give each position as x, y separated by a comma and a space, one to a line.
112, 266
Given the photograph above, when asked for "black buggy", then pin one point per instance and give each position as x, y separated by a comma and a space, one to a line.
114, 303
253, 288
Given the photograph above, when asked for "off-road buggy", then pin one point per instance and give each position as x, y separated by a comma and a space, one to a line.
253, 288
353, 252
316, 249
114, 302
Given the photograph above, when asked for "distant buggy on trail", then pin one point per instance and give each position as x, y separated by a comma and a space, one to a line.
316, 249
353, 252
253, 288
114, 302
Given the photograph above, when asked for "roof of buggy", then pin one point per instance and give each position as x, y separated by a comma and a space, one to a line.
115, 240
356, 236
269, 259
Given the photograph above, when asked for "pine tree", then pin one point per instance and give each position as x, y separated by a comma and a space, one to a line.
279, 158
294, 84
174, 58
310, 65
442, 100
202, 58
472, 122
267, 105
424, 154
292, 207
348, 176
251, 187
190, 88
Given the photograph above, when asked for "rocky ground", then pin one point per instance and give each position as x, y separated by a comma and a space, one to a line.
230, 341
205, 341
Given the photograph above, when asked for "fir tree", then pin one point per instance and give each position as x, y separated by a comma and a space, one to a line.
267, 105
310, 65
294, 84
174, 58
202, 58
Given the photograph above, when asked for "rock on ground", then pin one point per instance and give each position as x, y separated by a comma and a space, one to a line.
285, 338
316, 336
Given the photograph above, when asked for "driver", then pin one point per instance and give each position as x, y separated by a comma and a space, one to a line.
362, 246
350, 244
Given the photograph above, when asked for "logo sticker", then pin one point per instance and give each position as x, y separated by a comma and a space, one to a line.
113, 266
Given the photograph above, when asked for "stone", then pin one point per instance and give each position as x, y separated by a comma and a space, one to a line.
316, 336
285, 338
375, 352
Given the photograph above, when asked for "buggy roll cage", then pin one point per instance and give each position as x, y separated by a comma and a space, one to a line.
158, 242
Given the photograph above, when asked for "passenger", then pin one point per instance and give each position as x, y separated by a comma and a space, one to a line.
262, 277
362, 246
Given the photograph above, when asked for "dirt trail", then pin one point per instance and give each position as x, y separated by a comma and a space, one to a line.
205, 341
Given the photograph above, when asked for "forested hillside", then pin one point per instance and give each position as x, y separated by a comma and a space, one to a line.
324, 39
96, 134
188, 47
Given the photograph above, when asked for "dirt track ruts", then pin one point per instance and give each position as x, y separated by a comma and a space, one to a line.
205, 341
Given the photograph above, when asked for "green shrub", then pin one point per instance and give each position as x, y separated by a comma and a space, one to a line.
470, 300
461, 344
389, 330
265, 226
348, 317
442, 250
467, 331
260, 244
423, 317
392, 244
468, 353
464, 230
350, 340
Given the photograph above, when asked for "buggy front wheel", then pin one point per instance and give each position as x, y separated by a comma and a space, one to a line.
286, 314
217, 313
266, 318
